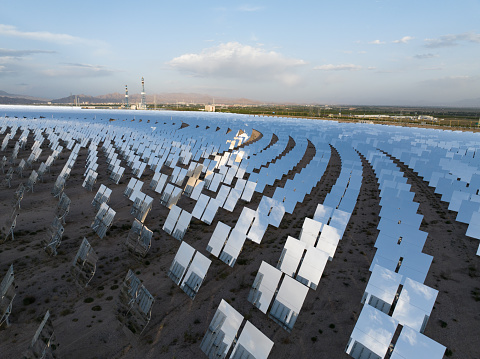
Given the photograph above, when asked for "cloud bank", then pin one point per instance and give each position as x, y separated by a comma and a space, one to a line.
78, 70
22, 53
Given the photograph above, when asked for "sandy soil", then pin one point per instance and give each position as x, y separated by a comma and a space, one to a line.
86, 320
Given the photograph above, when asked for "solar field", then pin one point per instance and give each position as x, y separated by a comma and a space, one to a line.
142, 234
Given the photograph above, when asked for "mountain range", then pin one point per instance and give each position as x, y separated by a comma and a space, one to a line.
119, 98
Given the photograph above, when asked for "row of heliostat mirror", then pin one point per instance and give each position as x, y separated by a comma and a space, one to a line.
398, 271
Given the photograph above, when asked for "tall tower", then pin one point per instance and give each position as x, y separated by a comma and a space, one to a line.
126, 96
143, 104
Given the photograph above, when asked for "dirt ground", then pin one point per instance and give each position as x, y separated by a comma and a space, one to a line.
88, 321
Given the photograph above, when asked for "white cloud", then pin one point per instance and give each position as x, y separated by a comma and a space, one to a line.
376, 42
343, 67
234, 60
452, 40
403, 40
425, 56
249, 8
78, 70
64, 39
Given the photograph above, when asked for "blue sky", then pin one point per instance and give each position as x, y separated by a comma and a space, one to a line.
342, 51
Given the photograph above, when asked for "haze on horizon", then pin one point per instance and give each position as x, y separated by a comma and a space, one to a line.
379, 52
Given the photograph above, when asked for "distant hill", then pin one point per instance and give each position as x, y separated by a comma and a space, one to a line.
12, 99
5, 100
84, 98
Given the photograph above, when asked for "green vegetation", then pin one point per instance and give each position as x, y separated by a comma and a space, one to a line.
66, 312
448, 117
28, 300
476, 294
